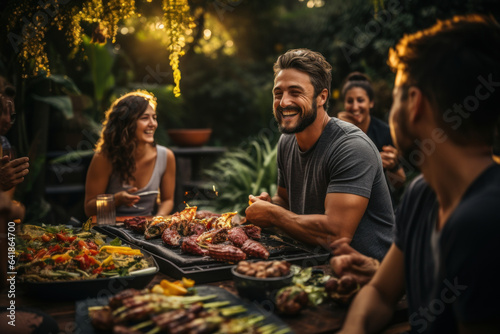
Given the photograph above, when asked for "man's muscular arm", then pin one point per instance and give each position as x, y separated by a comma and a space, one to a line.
343, 212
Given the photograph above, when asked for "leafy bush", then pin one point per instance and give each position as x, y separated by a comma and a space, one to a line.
244, 171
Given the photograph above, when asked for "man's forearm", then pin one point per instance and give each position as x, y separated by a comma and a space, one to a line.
368, 313
279, 201
311, 229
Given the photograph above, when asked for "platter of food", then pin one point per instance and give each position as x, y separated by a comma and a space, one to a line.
60, 262
204, 246
210, 310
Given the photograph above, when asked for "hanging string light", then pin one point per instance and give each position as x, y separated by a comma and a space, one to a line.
104, 15
177, 21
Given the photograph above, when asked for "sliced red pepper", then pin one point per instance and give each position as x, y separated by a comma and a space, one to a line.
90, 259
54, 249
82, 244
81, 261
86, 261
46, 238
61, 237
97, 270
40, 253
92, 245
71, 239
62, 258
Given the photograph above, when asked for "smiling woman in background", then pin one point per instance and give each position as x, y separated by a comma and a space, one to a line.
358, 100
127, 161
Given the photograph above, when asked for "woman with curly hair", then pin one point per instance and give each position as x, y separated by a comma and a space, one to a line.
127, 160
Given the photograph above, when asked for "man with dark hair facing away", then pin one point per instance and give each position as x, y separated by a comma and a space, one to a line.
445, 252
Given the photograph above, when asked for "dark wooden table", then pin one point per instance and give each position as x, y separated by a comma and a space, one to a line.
327, 318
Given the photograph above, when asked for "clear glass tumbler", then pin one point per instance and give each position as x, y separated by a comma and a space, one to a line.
106, 213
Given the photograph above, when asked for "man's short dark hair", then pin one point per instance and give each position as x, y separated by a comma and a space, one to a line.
456, 65
311, 62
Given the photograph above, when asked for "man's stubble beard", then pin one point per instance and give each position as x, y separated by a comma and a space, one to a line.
307, 118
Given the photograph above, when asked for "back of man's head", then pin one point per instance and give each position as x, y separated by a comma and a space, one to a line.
311, 62
456, 65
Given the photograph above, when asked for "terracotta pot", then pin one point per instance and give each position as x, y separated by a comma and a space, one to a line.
189, 137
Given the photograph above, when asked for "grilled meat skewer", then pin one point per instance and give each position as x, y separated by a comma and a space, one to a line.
226, 253
237, 236
255, 248
252, 231
157, 226
189, 245
171, 237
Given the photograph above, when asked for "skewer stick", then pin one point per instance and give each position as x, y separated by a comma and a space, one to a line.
216, 304
142, 325
232, 310
154, 330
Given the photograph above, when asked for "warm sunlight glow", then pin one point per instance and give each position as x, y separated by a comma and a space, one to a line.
207, 33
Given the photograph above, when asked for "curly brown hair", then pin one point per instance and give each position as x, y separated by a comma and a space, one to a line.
117, 141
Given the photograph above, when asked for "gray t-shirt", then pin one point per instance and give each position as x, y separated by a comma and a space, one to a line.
343, 160
146, 205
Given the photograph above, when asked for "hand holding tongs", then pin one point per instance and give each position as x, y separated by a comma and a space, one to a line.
144, 193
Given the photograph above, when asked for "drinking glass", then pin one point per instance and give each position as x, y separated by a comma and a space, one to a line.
106, 213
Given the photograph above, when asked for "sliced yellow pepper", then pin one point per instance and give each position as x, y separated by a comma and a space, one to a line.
187, 283
121, 250
107, 261
58, 258
157, 289
172, 288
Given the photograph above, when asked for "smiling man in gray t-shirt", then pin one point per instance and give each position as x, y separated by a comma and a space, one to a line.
343, 160
331, 182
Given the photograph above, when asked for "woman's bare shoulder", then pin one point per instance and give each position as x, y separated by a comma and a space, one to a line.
101, 160
170, 154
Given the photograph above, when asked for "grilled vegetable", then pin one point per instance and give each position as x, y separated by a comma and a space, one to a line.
121, 250
157, 226
342, 290
217, 236
58, 253
291, 300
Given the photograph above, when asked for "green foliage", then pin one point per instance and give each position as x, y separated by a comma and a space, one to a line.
61, 103
100, 61
244, 171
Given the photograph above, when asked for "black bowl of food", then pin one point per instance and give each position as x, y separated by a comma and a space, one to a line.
260, 281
